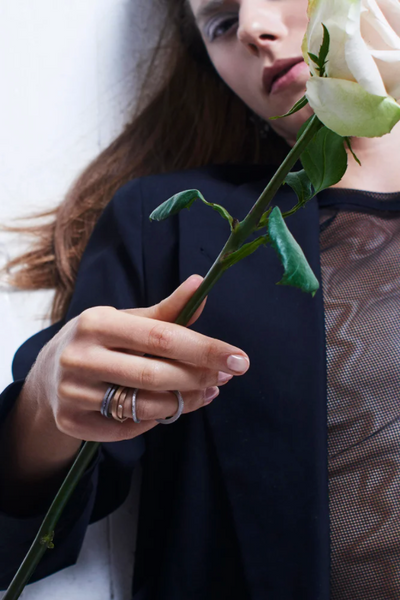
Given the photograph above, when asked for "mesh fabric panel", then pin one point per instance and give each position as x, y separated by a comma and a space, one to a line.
360, 261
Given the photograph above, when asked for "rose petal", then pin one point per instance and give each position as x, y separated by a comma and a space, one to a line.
334, 16
383, 41
388, 64
358, 57
349, 57
380, 34
346, 108
337, 65
391, 12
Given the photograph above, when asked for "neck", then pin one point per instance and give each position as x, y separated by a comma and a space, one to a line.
379, 171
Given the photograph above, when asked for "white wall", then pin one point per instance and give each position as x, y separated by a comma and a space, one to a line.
67, 80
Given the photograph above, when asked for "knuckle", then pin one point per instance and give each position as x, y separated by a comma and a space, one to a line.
211, 353
147, 376
144, 410
64, 421
160, 339
81, 358
68, 358
206, 378
92, 320
64, 391
76, 358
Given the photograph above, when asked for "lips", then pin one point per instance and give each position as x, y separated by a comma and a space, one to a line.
279, 68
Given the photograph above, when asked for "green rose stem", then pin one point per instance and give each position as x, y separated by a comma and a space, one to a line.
244, 229
44, 537
241, 231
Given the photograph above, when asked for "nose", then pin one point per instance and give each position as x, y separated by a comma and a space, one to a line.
260, 25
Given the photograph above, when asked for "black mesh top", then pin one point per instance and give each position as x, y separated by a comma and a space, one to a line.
360, 260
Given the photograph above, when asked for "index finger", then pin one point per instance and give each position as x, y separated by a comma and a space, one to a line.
166, 340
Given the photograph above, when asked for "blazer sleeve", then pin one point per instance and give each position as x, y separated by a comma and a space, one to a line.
111, 273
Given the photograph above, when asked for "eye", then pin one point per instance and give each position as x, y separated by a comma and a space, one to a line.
219, 26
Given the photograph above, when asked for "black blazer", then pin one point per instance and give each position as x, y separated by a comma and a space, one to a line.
234, 500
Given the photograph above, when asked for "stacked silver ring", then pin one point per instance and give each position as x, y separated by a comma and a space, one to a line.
109, 395
105, 407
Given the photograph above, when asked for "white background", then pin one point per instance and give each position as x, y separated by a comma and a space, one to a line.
67, 82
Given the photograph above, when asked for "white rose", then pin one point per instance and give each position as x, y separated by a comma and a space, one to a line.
359, 94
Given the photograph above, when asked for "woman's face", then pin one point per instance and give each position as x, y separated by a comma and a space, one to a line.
255, 45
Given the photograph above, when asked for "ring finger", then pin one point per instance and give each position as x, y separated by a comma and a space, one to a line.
90, 424
88, 396
161, 405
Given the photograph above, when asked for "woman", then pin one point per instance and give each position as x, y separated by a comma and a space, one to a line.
235, 500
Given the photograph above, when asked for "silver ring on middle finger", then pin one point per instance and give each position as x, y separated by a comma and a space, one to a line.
134, 396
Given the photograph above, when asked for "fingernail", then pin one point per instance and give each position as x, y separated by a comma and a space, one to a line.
210, 394
223, 377
239, 364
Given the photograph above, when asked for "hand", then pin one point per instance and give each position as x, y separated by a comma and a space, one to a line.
105, 346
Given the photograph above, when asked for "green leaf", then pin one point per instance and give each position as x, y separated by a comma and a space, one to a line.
298, 106
321, 60
221, 210
245, 250
298, 272
264, 219
324, 51
314, 58
174, 204
325, 159
185, 200
303, 128
348, 142
301, 184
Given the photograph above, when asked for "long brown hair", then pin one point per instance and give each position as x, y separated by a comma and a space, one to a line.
186, 118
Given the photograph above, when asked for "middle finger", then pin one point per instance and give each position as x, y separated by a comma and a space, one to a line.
168, 340
152, 374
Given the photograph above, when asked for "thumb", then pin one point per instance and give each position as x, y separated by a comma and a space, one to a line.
170, 308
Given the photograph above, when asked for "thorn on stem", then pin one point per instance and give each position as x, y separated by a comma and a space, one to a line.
47, 540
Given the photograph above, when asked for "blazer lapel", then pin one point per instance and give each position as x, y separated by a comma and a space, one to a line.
269, 426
